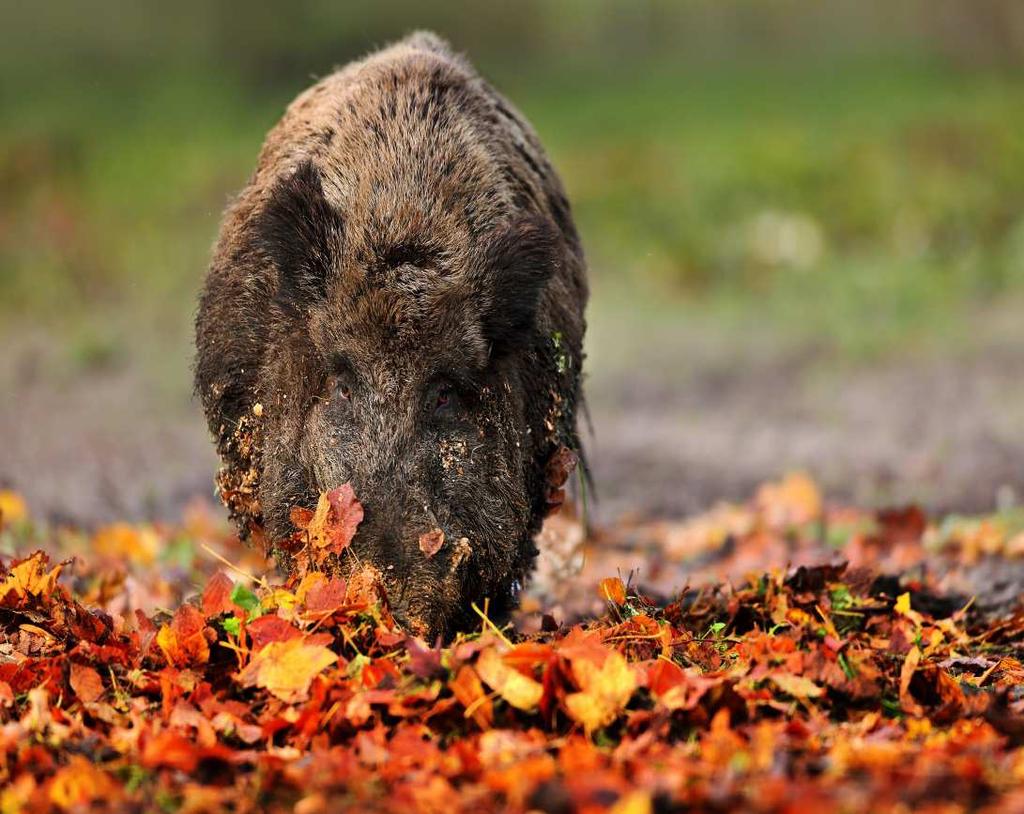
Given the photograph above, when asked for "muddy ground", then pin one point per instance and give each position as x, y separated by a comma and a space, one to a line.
680, 420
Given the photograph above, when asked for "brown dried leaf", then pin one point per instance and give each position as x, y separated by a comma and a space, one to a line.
431, 542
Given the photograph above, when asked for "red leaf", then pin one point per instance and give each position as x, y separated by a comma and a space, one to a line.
331, 527
346, 515
327, 596
267, 629
217, 596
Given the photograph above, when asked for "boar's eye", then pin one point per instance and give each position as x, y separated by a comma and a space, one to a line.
442, 400
340, 385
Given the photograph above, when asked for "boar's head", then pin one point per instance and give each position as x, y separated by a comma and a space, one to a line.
421, 374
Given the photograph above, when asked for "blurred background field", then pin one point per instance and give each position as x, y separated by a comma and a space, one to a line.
805, 223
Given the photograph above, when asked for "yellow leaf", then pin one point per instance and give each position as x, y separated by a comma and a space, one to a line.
797, 686
794, 500
81, 783
124, 541
12, 507
286, 669
635, 802
903, 604
604, 691
279, 598
520, 691
30, 577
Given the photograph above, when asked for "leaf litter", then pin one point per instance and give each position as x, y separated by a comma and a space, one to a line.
860, 677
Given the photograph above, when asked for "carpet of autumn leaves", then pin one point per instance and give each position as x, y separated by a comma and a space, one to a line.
171, 670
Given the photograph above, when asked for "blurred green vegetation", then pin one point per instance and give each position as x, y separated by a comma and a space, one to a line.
842, 174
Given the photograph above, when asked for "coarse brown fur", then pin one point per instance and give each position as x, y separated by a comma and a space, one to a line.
396, 300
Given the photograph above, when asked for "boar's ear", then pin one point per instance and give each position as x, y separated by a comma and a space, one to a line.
301, 232
520, 260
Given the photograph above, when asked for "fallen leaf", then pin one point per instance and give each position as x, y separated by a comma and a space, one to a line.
794, 500
12, 508
287, 668
333, 523
604, 691
123, 541
80, 783
612, 590
469, 692
518, 690
268, 629
183, 641
795, 685
902, 525
217, 595
431, 542
907, 702
86, 682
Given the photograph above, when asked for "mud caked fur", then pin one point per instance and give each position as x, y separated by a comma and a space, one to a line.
396, 300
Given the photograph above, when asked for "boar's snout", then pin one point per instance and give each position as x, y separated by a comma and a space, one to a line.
422, 565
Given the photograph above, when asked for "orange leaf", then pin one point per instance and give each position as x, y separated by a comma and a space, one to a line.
123, 541
183, 641
612, 590
86, 683
81, 783
794, 500
469, 692
910, 663
30, 577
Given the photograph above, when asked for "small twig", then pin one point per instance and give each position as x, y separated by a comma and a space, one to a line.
494, 628
218, 556
477, 704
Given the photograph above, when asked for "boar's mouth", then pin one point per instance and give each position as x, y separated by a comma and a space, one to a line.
435, 597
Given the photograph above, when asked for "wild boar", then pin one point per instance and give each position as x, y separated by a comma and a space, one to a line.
396, 301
